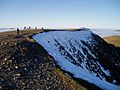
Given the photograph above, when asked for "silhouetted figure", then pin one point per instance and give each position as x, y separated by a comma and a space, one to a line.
24, 28
18, 31
29, 28
42, 28
35, 28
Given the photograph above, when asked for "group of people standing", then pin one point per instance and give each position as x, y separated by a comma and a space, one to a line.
26, 28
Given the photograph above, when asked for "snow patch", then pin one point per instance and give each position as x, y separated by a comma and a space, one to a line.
64, 46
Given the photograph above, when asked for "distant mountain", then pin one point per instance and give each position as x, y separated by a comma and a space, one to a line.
85, 55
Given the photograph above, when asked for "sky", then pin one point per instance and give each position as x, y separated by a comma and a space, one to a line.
60, 13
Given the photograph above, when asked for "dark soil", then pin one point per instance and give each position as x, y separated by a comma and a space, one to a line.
25, 65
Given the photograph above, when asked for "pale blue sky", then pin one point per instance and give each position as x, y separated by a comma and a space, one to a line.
60, 13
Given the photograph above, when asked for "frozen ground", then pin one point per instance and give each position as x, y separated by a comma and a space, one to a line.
63, 46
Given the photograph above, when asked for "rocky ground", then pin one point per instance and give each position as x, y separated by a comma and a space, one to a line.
25, 65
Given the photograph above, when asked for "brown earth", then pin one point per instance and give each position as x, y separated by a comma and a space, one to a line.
115, 40
26, 65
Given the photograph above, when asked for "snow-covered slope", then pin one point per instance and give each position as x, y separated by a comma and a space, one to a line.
82, 54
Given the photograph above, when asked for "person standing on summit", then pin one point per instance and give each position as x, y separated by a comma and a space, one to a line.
18, 31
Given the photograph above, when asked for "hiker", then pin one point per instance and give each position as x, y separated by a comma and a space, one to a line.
35, 28
24, 28
42, 28
29, 28
18, 31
